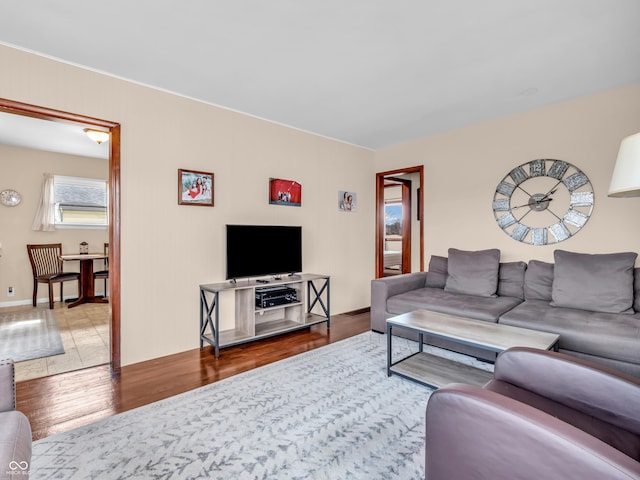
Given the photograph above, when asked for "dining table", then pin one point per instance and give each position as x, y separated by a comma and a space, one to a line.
87, 284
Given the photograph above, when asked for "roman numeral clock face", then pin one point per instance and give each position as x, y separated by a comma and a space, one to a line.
543, 202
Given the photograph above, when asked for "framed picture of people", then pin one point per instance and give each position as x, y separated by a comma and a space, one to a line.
195, 188
346, 201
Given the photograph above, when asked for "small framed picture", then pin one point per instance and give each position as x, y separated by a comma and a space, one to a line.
285, 192
347, 201
195, 188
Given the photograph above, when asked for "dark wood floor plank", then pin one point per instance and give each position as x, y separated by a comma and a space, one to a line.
69, 400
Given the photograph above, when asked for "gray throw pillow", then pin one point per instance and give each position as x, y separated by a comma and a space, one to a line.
473, 273
437, 274
538, 281
598, 283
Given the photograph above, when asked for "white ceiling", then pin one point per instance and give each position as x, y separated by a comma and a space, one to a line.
29, 132
368, 72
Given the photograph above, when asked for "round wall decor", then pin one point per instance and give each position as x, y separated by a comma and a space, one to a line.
10, 198
543, 202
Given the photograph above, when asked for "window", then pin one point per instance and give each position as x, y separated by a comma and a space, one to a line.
393, 218
80, 202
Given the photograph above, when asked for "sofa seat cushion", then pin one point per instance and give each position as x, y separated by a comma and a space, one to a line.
436, 299
15, 443
606, 335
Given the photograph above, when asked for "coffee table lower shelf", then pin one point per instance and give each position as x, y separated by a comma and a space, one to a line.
436, 372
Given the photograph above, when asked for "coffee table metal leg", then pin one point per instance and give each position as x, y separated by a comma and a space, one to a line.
388, 349
421, 340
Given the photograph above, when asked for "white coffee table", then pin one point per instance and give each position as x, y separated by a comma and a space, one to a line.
435, 371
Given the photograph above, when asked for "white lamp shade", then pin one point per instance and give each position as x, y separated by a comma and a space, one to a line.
97, 136
625, 181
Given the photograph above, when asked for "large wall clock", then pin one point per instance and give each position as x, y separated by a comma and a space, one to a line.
543, 202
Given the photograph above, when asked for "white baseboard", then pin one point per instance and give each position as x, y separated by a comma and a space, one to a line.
17, 303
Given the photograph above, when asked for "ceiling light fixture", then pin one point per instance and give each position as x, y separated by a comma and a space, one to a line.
97, 136
625, 181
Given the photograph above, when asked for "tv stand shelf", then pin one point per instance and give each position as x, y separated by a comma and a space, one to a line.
252, 322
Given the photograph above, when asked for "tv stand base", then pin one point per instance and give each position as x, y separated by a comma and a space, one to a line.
254, 323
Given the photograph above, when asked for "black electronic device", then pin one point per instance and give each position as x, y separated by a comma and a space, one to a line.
258, 250
275, 296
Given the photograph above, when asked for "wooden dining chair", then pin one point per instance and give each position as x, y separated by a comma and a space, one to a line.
47, 268
104, 274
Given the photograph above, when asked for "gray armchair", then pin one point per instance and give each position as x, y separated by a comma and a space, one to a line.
544, 415
15, 431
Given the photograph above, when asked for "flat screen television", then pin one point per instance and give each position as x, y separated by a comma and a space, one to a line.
259, 250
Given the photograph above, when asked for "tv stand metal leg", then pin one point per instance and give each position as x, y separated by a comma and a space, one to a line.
207, 322
317, 298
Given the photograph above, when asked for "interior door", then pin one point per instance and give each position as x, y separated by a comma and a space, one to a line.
417, 232
406, 226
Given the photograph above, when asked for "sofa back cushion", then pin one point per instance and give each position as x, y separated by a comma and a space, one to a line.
473, 273
511, 279
438, 269
538, 281
636, 289
594, 282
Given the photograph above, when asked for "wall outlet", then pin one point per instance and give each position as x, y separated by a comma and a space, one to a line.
10, 292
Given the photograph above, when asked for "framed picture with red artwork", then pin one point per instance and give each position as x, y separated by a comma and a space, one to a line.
285, 192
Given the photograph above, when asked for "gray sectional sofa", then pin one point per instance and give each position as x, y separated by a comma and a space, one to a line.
591, 301
15, 431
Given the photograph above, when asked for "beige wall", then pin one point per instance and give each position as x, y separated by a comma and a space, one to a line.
463, 168
22, 169
168, 249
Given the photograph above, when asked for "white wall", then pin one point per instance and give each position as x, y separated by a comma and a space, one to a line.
169, 249
463, 168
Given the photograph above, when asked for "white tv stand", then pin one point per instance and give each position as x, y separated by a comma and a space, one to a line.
252, 322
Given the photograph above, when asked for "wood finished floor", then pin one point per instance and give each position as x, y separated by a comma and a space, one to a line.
68, 400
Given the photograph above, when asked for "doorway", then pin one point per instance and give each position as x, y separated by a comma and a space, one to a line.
18, 108
399, 225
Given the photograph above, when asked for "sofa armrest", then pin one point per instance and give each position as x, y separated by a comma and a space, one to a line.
590, 388
476, 433
7, 386
383, 288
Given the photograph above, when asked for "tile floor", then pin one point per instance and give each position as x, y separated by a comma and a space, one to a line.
85, 335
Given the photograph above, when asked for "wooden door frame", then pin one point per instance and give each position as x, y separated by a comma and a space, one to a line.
380, 215
25, 109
